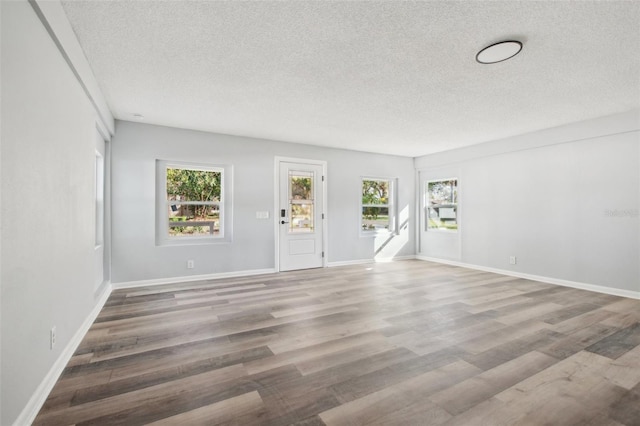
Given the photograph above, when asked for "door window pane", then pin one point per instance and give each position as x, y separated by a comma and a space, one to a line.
300, 185
301, 218
301, 203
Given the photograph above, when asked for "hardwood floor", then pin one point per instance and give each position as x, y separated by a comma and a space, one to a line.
404, 343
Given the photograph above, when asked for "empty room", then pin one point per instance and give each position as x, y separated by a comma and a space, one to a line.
319, 212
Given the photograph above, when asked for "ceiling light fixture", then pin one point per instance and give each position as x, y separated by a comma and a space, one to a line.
499, 52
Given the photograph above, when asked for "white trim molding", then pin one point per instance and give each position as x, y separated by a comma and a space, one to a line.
349, 262
565, 283
365, 261
394, 258
37, 400
225, 204
192, 278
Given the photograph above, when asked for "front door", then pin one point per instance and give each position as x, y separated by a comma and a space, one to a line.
300, 216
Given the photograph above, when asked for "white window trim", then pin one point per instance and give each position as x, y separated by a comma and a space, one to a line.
393, 214
427, 203
225, 203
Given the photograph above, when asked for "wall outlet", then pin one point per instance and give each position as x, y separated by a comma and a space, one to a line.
52, 337
191, 264
512, 260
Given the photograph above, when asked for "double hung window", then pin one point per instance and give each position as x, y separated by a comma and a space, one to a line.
377, 206
192, 202
442, 205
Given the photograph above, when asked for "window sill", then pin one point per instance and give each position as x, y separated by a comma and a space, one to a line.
444, 231
191, 241
379, 233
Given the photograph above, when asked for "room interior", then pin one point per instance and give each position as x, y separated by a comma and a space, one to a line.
544, 147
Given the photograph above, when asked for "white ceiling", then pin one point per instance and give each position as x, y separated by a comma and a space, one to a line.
389, 77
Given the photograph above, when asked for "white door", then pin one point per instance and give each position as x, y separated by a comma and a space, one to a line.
300, 216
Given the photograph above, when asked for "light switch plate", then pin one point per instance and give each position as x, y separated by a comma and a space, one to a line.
262, 215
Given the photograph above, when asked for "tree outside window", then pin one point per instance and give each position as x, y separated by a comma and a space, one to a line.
377, 206
442, 205
194, 201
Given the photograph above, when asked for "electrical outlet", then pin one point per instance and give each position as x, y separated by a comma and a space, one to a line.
191, 264
52, 337
512, 260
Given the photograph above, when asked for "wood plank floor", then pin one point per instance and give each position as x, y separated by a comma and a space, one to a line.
404, 343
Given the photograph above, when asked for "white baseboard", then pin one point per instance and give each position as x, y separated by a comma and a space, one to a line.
364, 261
191, 278
349, 262
37, 400
565, 283
395, 258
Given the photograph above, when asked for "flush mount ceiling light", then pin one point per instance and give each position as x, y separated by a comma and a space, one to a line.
499, 52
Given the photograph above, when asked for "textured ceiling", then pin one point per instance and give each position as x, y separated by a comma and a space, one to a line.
390, 77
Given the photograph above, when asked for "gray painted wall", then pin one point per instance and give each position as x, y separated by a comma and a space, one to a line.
48, 131
564, 201
135, 149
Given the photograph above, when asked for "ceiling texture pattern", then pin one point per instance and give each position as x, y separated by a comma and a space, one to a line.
389, 77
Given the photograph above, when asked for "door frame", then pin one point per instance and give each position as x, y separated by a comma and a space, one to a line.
276, 204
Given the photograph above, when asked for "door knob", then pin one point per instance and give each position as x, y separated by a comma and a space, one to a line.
283, 222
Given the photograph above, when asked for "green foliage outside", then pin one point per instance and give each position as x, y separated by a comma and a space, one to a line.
374, 192
442, 194
301, 188
194, 185
442, 224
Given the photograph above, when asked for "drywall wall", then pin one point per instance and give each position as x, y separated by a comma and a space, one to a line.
564, 201
135, 149
47, 219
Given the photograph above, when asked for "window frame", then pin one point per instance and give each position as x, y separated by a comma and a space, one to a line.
163, 205
427, 204
391, 206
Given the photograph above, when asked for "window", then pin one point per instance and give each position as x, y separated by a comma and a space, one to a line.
377, 205
192, 202
442, 205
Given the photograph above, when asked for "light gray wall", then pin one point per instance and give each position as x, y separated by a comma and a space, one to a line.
545, 197
47, 191
135, 149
